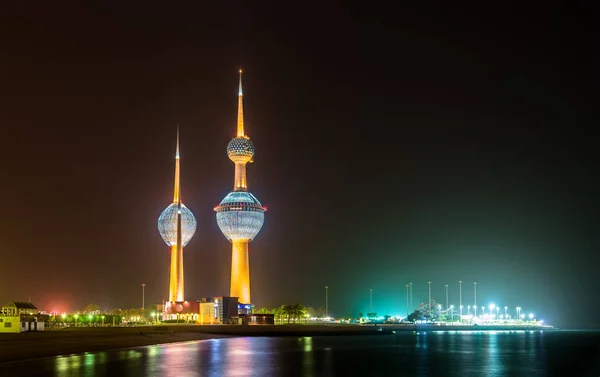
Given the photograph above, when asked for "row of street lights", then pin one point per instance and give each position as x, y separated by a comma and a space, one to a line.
76, 316
408, 292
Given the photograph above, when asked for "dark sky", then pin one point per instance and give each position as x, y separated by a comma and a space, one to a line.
417, 143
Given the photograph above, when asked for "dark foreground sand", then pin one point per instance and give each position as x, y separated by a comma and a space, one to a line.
32, 345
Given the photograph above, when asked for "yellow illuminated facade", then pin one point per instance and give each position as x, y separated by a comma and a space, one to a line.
240, 271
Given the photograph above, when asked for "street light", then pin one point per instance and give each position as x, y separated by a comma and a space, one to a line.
460, 295
492, 306
474, 293
407, 300
143, 296
429, 302
410, 287
326, 302
446, 296
497, 311
452, 313
102, 321
475, 311
468, 310
530, 316
505, 309
440, 312
518, 312
90, 318
76, 316
461, 308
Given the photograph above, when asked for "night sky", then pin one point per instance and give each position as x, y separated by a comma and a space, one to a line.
393, 145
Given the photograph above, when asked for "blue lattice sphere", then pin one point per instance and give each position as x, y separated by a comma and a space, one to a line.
167, 225
240, 216
240, 149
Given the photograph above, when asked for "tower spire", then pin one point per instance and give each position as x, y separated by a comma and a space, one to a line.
240, 119
177, 191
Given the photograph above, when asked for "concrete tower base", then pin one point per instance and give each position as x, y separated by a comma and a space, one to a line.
240, 271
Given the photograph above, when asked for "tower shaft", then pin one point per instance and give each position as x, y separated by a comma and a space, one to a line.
176, 283
239, 180
240, 271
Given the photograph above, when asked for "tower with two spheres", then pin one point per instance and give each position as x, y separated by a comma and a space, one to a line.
240, 215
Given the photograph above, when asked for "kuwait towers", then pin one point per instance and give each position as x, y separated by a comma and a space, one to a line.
240, 215
177, 226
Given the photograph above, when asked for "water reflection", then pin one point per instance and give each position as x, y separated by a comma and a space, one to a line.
448, 354
494, 364
238, 358
308, 357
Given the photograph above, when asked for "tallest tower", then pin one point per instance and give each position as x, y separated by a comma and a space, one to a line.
240, 215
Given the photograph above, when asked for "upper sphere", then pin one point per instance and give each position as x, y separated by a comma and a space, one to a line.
167, 225
240, 149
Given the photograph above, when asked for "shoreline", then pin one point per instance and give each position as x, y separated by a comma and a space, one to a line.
69, 341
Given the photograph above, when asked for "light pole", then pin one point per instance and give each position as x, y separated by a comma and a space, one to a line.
406, 300
446, 296
429, 303
474, 293
492, 306
468, 310
326, 302
505, 309
143, 295
518, 312
452, 313
76, 316
102, 321
475, 311
460, 313
410, 285
460, 305
439, 312
370, 300
483, 312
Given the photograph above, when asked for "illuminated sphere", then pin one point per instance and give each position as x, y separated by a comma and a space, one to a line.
240, 149
167, 225
240, 216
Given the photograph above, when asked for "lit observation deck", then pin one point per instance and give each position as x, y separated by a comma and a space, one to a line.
240, 149
240, 216
167, 225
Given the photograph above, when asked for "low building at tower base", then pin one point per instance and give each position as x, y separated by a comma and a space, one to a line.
208, 311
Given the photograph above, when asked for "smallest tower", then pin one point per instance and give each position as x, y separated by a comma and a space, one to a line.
177, 226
